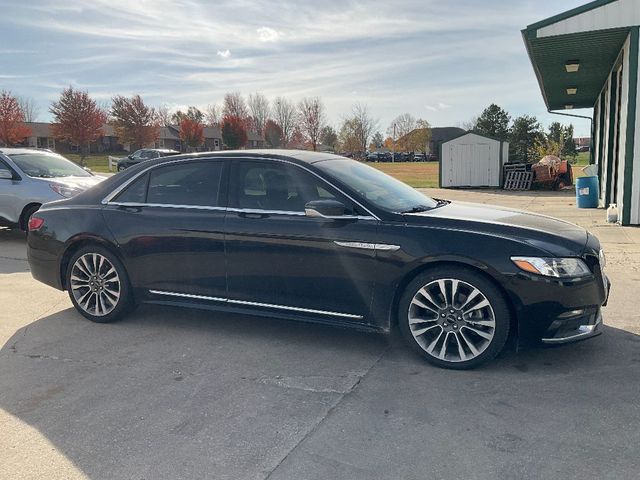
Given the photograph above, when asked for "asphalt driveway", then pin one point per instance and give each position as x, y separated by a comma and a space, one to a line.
171, 393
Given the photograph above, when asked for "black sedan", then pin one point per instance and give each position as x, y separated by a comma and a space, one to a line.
321, 238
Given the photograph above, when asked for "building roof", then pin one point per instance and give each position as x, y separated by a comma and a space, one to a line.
471, 132
591, 35
442, 134
39, 129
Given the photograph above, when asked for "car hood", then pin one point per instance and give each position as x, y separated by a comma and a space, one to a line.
553, 235
79, 183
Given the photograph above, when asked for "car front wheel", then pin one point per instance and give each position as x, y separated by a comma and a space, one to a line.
98, 285
454, 317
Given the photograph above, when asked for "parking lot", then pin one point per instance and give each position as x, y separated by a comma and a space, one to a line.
171, 393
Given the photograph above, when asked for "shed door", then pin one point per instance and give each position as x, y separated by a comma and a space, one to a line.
472, 165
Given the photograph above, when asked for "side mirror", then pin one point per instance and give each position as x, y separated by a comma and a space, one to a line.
331, 209
6, 174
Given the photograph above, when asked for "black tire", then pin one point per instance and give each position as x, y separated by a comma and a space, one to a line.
121, 168
125, 300
26, 216
495, 319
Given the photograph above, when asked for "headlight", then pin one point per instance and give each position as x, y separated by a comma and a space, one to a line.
553, 267
64, 191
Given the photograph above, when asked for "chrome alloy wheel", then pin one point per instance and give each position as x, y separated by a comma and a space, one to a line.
451, 320
95, 284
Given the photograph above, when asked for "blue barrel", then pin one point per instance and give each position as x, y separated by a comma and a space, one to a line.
587, 189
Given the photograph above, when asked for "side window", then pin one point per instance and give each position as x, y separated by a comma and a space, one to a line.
136, 154
277, 186
193, 183
136, 192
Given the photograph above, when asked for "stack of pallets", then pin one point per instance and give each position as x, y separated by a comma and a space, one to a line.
517, 177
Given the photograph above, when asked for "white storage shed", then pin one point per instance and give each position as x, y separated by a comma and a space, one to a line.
472, 160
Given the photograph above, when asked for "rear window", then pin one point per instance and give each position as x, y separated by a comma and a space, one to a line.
193, 183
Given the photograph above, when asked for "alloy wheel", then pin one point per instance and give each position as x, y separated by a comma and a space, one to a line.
95, 284
451, 320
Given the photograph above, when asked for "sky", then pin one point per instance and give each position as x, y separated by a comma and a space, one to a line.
443, 60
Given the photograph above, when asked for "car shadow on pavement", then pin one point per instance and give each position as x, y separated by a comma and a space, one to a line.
173, 393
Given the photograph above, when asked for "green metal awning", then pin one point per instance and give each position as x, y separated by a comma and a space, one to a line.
595, 50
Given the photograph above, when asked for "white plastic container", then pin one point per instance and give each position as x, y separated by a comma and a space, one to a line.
612, 213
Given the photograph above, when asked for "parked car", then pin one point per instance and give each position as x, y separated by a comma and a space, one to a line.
30, 177
143, 155
321, 238
584, 148
419, 157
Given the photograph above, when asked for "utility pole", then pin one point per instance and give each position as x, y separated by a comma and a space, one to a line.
393, 152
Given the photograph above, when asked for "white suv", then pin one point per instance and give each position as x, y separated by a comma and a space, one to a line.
30, 177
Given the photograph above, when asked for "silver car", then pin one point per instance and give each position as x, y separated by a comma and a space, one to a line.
30, 177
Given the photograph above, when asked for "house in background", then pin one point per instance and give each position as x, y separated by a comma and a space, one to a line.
42, 137
169, 137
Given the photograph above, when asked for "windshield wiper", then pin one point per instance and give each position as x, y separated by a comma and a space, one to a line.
417, 209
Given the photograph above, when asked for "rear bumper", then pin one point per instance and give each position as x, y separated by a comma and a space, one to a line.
44, 265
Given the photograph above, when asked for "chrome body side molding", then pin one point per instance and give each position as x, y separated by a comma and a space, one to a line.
381, 247
256, 304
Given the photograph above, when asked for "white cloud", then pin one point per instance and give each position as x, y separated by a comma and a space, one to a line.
224, 53
268, 34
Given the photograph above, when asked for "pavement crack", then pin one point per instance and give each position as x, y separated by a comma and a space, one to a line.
343, 396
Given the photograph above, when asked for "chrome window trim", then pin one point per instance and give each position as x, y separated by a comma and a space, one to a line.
107, 200
256, 304
166, 205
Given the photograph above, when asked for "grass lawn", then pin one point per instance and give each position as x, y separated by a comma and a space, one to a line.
97, 162
416, 174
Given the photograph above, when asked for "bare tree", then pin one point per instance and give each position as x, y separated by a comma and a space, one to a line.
284, 113
29, 108
311, 118
212, 115
234, 106
164, 115
364, 125
259, 108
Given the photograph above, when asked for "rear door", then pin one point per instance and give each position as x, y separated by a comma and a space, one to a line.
169, 224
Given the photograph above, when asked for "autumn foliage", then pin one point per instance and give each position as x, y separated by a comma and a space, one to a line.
12, 127
77, 119
191, 132
234, 132
272, 134
133, 121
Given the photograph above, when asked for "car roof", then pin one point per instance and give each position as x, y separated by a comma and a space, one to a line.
14, 150
302, 156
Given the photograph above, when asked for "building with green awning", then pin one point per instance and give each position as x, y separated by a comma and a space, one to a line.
588, 58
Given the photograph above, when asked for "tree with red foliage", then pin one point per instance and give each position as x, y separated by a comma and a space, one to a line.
234, 132
191, 132
133, 121
78, 119
272, 134
12, 127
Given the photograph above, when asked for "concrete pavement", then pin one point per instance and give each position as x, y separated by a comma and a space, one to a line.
171, 393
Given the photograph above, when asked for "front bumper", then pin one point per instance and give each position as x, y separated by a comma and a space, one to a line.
581, 325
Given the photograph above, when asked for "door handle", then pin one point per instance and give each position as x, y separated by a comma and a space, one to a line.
131, 209
253, 215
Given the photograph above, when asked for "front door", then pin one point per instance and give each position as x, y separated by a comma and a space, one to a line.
282, 260
169, 224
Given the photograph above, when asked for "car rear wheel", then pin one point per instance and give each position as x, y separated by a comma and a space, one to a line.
98, 285
454, 317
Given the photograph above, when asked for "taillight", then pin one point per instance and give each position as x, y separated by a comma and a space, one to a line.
35, 223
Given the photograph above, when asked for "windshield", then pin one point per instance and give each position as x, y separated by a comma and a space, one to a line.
47, 165
380, 189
